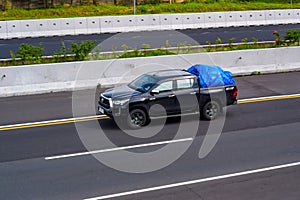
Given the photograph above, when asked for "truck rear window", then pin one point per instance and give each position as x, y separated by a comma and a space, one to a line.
185, 83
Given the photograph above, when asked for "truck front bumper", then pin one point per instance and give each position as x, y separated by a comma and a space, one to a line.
113, 112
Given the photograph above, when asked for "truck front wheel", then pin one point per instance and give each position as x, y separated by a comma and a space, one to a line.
210, 110
137, 119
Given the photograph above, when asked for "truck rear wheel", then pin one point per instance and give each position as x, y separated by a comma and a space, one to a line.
210, 110
137, 119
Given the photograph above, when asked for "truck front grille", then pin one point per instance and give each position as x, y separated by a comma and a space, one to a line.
104, 102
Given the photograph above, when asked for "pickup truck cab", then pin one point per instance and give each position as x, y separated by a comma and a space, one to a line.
163, 94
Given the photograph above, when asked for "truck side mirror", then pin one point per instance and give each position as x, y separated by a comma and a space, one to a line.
154, 92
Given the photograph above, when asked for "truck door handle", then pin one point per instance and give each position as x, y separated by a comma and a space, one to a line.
172, 95
193, 93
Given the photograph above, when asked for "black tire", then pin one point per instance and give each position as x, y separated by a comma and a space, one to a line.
210, 110
137, 119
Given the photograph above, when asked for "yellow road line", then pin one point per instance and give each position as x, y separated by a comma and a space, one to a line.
51, 123
59, 122
272, 98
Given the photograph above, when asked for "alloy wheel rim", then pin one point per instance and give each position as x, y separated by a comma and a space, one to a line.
211, 110
137, 119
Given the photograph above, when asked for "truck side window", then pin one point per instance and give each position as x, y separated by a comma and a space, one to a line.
185, 83
164, 87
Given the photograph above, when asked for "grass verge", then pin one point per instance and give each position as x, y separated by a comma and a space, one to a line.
109, 9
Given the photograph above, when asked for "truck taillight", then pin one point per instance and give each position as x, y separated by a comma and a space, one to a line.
235, 92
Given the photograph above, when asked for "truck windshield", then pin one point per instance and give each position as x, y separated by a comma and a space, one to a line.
143, 83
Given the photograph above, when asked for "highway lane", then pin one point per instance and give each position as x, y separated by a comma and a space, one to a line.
255, 135
275, 185
63, 139
155, 38
33, 108
239, 149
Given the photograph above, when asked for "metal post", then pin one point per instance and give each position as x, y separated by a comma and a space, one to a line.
134, 7
291, 4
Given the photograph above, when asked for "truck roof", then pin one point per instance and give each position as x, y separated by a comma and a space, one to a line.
170, 73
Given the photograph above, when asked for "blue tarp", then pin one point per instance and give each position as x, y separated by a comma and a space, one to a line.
212, 76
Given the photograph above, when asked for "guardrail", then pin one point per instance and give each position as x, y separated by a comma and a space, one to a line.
34, 79
113, 24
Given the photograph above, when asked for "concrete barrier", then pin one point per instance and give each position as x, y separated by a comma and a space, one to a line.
230, 19
147, 22
67, 26
106, 25
42, 28
198, 20
188, 21
80, 26
240, 18
165, 22
3, 30
270, 17
29, 28
287, 17
113, 24
256, 18
123, 24
34, 79
210, 20
53, 27
177, 21
220, 19
296, 16
14, 29
93, 25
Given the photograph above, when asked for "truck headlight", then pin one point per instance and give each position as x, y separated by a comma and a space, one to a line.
110, 103
120, 102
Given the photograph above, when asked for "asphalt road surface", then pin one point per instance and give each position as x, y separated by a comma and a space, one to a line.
256, 157
52, 106
156, 39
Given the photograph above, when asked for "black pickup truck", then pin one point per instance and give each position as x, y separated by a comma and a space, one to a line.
162, 94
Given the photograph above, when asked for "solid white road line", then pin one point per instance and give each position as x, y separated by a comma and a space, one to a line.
118, 148
195, 181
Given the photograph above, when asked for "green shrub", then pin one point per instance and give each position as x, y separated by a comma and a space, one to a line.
292, 36
97, 52
28, 52
137, 53
209, 49
245, 43
180, 45
125, 48
13, 57
218, 41
231, 40
278, 40
82, 51
256, 73
61, 55
255, 40
146, 47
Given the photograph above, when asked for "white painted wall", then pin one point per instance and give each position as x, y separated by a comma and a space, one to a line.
33, 79
129, 23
